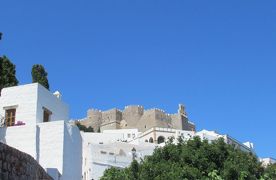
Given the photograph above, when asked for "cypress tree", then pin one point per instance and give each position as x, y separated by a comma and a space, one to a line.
39, 75
7, 73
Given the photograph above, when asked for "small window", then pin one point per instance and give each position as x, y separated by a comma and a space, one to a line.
160, 139
10, 117
46, 115
128, 135
151, 140
103, 152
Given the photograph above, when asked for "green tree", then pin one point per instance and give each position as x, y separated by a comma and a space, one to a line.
270, 172
39, 75
84, 128
192, 159
7, 73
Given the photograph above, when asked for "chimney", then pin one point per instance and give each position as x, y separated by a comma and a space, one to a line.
57, 94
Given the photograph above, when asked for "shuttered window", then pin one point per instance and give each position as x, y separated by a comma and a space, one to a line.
10, 117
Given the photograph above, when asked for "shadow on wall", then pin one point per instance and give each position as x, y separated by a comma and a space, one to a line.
72, 168
3, 131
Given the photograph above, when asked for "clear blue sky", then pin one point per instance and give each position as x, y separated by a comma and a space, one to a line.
216, 57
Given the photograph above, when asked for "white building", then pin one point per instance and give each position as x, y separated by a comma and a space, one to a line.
159, 135
267, 161
110, 149
31, 104
36, 122
212, 135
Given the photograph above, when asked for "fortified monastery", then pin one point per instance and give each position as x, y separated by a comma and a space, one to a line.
138, 118
36, 121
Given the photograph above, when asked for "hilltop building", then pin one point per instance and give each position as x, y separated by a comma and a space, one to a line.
136, 117
35, 121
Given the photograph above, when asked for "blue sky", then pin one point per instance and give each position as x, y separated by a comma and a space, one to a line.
216, 57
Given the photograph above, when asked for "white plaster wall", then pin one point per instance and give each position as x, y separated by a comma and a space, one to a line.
59, 109
25, 98
97, 138
116, 154
128, 134
72, 157
50, 147
22, 138
29, 101
53, 144
61, 147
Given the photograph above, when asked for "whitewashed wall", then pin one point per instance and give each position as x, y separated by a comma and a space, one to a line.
46, 99
29, 101
53, 144
117, 153
50, 145
72, 156
24, 98
22, 138
128, 134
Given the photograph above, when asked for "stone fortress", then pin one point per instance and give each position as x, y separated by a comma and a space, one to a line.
136, 117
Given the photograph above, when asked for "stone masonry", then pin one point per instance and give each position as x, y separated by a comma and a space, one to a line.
136, 116
16, 165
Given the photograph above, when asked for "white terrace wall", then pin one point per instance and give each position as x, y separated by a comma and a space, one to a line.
22, 138
53, 144
50, 145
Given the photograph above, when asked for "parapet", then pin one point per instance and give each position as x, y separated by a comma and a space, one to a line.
134, 109
112, 115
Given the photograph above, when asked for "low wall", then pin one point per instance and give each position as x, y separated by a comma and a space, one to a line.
17, 165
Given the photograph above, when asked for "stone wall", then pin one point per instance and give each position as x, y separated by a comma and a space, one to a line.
17, 165
135, 117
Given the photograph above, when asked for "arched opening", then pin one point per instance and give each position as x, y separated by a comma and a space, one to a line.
146, 140
160, 139
151, 140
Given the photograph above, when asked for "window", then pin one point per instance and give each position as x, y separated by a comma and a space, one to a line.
151, 140
46, 115
160, 139
128, 135
103, 152
10, 117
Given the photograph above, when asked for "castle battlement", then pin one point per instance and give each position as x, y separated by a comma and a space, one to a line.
135, 116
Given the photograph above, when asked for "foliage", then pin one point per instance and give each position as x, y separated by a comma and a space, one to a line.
84, 128
192, 159
39, 75
270, 172
7, 73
